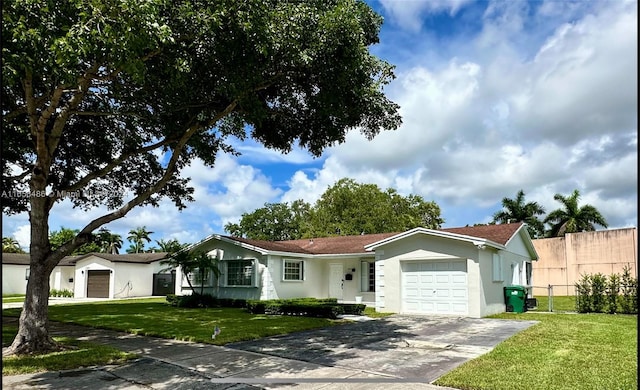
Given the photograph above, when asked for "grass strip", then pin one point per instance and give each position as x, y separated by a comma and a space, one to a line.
562, 352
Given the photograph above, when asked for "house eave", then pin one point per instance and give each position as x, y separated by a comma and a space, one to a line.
479, 242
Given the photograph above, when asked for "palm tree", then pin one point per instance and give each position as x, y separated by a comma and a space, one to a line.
194, 265
516, 210
109, 242
11, 245
170, 246
137, 236
572, 218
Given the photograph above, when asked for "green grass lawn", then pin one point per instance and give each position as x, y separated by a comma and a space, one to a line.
563, 351
10, 298
560, 303
82, 354
154, 317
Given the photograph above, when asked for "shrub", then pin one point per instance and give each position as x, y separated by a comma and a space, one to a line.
583, 294
598, 292
629, 289
308, 307
172, 299
613, 290
203, 300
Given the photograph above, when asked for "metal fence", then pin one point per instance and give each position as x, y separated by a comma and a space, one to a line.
555, 290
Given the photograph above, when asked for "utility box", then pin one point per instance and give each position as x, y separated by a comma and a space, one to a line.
515, 298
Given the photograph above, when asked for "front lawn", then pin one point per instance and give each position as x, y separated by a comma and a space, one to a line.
83, 354
563, 351
154, 317
12, 298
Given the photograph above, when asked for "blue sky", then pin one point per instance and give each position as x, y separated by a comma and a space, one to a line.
496, 96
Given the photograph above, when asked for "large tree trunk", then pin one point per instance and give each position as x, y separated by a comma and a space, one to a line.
33, 333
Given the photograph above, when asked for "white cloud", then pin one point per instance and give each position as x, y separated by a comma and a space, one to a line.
407, 14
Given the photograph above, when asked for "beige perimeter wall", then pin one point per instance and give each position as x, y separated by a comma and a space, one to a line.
563, 260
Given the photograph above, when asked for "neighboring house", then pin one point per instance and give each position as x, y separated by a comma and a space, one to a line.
95, 275
459, 271
563, 260
15, 273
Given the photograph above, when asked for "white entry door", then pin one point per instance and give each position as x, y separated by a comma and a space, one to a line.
435, 287
336, 274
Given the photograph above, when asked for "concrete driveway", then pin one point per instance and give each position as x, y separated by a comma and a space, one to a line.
399, 346
394, 353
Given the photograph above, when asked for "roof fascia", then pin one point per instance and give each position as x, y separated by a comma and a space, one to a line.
523, 232
479, 242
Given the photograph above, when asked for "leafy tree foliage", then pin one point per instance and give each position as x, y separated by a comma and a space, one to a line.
57, 238
104, 102
274, 221
573, 218
346, 208
516, 210
11, 245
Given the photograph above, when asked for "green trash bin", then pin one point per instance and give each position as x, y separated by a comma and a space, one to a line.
515, 297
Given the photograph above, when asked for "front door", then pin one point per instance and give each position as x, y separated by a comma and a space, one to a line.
336, 274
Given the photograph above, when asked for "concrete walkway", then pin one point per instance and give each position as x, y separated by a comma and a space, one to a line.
172, 364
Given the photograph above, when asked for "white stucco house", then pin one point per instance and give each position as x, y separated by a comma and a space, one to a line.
456, 271
95, 275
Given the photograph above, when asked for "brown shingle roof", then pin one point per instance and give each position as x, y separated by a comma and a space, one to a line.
499, 234
140, 258
25, 259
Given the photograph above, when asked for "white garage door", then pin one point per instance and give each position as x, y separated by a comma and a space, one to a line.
435, 287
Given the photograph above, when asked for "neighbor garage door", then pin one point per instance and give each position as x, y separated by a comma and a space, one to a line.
98, 284
435, 287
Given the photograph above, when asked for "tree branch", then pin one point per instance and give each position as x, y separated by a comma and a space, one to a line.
81, 237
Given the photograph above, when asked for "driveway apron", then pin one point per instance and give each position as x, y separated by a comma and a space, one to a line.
399, 346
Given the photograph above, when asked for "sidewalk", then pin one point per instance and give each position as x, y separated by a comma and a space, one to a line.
173, 364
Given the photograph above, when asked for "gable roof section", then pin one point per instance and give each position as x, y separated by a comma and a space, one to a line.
317, 246
140, 258
25, 259
497, 236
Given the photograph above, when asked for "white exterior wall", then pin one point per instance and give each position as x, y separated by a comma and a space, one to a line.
486, 296
14, 282
60, 278
423, 248
132, 280
13, 279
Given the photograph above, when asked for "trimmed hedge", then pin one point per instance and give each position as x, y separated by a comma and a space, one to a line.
308, 307
205, 300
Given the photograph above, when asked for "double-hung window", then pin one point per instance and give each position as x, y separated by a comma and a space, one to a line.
240, 272
367, 276
292, 270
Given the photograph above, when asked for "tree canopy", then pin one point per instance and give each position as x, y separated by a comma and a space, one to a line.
104, 102
57, 238
346, 208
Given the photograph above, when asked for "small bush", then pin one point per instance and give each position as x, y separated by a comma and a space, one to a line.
613, 290
598, 292
308, 307
583, 294
629, 289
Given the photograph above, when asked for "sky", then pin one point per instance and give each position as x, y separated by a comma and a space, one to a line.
496, 97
